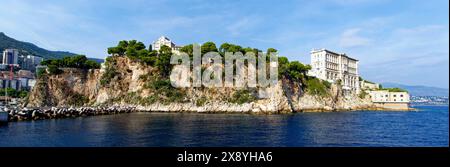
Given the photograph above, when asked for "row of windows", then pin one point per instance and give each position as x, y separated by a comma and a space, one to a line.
331, 58
393, 95
388, 100
332, 66
332, 76
350, 81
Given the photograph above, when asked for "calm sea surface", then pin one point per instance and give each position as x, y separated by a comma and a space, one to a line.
428, 127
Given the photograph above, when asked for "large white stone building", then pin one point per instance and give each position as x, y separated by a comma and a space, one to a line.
163, 40
332, 66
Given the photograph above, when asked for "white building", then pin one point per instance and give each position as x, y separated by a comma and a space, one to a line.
365, 85
386, 96
390, 100
332, 66
10, 56
156, 45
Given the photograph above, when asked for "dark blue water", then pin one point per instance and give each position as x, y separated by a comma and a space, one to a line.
428, 127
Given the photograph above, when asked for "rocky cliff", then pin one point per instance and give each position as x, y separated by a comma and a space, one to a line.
136, 84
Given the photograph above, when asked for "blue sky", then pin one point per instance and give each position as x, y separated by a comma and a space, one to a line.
395, 40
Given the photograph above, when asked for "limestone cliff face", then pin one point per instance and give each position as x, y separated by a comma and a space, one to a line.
73, 86
129, 86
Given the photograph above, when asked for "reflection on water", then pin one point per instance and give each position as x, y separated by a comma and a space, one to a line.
366, 128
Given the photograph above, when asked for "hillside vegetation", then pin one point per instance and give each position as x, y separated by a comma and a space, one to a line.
136, 75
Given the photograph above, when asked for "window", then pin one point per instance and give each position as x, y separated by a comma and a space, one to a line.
401, 95
395, 99
395, 95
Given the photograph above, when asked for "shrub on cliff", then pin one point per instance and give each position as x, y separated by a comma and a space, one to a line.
316, 86
201, 101
163, 91
77, 99
242, 96
108, 75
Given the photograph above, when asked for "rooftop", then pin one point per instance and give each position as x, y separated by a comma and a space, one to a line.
326, 50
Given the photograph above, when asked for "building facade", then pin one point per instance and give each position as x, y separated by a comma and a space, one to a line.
163, 40
30, 62
364, 85
10, 56
390, 100
14, 83
334, 67
381, 96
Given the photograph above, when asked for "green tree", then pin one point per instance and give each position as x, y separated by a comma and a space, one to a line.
235, 48
297, 70
163, 61
53, 69
150, 48
283, 66
14, 93
248, 50
76, 61
271, 50
208, 47
188, 49
90, 64
119, 49
224, 48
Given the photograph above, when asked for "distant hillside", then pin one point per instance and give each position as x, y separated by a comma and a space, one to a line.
97, 60
29, 48
419, 90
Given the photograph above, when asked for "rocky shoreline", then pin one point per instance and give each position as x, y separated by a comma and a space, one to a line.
28, 114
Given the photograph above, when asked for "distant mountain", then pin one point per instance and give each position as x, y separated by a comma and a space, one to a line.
419, 90
29, 48
97, 60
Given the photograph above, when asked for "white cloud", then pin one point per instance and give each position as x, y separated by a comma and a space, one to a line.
352, 38
240, 26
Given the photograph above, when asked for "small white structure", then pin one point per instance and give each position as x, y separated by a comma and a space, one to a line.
390, 100
365, 85
163, 40
332, 66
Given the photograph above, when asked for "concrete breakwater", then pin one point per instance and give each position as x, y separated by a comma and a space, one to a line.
65, 112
